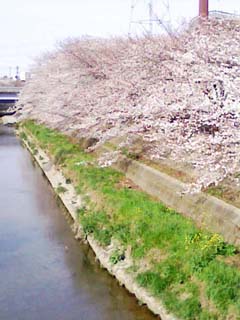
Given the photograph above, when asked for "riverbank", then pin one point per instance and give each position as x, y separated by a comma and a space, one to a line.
193, 273
45, 272
74, 203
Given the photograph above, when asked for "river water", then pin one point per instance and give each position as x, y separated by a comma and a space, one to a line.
45, 274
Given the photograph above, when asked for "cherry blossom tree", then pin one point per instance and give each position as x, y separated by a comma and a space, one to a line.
178, 94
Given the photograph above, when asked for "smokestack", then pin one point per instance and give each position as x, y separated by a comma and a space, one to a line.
203, 8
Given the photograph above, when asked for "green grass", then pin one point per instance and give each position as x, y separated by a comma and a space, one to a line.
179, 255
221, 281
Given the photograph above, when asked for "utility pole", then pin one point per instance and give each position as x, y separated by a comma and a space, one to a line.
17, 77
203, 8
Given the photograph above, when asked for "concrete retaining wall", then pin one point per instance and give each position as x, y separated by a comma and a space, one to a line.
207, 211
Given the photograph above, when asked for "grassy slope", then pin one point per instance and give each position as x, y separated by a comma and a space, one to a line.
186, 267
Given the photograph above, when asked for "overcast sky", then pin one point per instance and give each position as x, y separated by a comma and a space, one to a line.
29, 27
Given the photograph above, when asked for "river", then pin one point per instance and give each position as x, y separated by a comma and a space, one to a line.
45, 274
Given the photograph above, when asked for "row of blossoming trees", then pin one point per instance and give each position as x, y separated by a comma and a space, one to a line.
177, 94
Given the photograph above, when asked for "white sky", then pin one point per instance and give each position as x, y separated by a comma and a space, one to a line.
29, 27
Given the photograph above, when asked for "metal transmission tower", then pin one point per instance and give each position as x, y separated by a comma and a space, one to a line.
147, 24
150, 12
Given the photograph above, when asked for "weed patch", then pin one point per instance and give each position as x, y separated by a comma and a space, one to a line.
61, 189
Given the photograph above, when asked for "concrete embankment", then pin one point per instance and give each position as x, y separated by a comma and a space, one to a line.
208, 211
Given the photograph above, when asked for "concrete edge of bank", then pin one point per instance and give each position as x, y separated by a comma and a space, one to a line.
72, 201
207, 211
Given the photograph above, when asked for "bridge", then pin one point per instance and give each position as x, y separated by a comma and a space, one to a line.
8, 98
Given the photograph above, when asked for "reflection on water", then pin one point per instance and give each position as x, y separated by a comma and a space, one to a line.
44, 272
